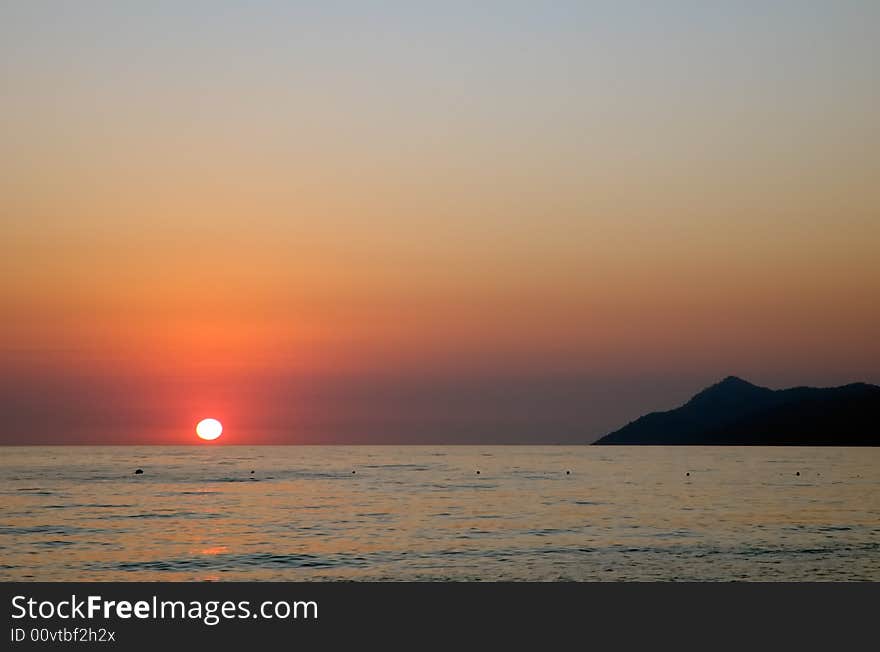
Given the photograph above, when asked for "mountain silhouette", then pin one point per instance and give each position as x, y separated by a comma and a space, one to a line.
736, 412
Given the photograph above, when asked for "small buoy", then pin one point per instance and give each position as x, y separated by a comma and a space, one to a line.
138, 471
353, 471
798, 473
252, 470
568, 473
478, 473
688, 474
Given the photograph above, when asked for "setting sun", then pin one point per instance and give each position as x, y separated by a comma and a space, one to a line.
209, 429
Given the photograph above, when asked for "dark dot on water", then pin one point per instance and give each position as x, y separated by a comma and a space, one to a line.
478, 473
353, 472
252, 470
568, 473
798, 473
688, 474
138, 471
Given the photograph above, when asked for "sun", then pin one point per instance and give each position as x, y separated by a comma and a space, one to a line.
209, 429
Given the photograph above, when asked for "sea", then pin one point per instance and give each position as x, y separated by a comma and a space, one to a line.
459, 513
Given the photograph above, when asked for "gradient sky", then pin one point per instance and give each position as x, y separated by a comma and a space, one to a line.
428, 222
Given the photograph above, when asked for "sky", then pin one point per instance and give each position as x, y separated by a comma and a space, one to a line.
428, 222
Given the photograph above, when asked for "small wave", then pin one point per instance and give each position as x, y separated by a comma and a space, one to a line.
675, 534
474, 534
43, 529
203, 492
221, 562
549, 531
89, 506
487, 485
151, 515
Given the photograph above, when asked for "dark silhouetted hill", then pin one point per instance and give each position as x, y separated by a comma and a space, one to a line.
735, 412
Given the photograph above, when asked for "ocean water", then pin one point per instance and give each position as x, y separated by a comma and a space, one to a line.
424, 513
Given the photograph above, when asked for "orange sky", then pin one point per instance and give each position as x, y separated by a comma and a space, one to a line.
357, 203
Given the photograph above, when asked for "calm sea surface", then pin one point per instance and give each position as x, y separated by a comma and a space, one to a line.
411, 513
